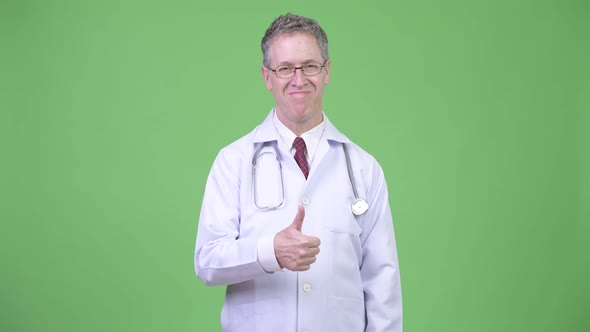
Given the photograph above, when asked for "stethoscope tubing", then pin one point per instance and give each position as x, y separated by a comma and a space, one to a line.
254, 187
359, 206
350, 172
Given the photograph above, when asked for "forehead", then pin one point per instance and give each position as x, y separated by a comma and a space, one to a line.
295, 48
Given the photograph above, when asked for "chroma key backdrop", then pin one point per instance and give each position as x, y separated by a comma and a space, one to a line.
111, 113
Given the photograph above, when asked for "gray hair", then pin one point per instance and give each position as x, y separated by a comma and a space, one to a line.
289, 24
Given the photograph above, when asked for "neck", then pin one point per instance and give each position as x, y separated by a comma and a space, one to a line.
301, 125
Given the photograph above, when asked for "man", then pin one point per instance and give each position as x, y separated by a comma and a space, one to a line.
270, 205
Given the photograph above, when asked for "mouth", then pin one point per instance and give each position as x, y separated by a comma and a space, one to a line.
298, 93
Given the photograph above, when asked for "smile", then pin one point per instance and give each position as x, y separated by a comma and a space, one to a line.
298, 93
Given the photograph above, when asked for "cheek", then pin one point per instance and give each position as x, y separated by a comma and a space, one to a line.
275, 85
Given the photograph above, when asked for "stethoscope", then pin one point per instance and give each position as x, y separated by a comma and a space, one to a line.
358, 207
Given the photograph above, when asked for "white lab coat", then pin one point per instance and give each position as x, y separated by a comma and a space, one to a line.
353, 286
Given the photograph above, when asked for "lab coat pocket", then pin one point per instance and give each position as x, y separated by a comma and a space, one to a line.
341, 248
347, 314
344, 225
261, 315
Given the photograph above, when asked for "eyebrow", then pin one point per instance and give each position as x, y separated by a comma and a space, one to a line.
290, 64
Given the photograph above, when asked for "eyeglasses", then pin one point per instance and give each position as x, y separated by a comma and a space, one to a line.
308, 69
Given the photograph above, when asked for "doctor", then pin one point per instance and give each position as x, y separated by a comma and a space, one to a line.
276, 225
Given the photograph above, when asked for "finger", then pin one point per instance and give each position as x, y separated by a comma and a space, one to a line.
306, 261
311, 252
309, 255
298, 221
313, 241
301, 268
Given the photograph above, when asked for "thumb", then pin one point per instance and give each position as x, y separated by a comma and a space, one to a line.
298, 221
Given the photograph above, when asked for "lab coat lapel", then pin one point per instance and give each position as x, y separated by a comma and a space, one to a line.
266, 131
330, 134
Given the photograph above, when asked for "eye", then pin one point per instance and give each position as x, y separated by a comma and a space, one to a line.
312, 67
284, 69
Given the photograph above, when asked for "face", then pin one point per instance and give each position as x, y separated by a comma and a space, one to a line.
298, 99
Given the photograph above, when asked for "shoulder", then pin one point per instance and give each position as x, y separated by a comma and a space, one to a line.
237, 150
361, 155
337, 138
243, 146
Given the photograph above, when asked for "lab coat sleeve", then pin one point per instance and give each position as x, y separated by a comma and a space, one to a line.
221, 256
380, 269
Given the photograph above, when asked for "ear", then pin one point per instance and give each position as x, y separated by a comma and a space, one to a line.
266, 75
327, 69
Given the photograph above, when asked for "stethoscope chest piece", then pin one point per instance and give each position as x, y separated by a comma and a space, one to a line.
359, 207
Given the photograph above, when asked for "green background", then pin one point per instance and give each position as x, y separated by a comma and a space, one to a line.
112, 113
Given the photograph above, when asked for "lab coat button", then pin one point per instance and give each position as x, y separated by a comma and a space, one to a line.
305, 200
306, 287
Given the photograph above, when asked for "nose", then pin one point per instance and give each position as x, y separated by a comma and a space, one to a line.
298, 78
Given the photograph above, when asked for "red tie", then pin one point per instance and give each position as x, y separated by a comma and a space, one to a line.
299, 145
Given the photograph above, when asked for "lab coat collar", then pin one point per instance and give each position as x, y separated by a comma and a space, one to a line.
267, 132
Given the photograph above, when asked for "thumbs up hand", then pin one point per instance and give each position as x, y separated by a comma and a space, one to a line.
294, 250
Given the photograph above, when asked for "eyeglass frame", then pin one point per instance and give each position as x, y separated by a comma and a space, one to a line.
300, 67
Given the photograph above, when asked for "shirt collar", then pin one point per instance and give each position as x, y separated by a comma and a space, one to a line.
267, 131
311, 137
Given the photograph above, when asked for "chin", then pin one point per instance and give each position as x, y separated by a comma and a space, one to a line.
301, 112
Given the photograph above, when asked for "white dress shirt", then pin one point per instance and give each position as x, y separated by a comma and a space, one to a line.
311, 137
